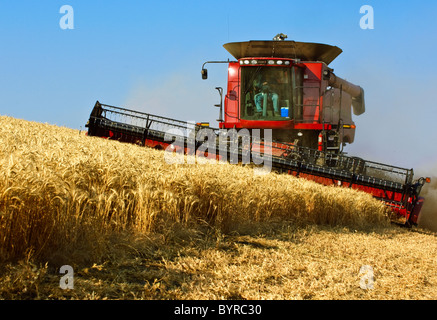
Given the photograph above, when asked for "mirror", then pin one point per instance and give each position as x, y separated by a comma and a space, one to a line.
204, 74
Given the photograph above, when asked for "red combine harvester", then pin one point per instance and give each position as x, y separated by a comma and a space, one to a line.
285, 90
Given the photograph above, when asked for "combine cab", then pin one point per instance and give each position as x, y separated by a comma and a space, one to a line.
285, 90
287, 86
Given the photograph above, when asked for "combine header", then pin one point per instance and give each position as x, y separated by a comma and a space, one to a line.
283, 107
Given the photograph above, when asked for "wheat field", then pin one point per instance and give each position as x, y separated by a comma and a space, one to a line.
137, 227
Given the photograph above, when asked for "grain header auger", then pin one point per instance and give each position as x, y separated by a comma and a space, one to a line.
281, 97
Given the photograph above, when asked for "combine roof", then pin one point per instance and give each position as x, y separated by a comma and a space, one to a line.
305, 51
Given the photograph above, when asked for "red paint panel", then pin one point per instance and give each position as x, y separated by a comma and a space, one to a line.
311, 92
311, 126
232, 97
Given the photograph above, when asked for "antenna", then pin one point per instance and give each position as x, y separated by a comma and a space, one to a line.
228, 27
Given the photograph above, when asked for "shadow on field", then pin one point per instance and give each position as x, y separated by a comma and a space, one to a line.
171, 263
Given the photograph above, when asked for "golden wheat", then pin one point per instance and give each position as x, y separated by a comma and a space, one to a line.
61, 190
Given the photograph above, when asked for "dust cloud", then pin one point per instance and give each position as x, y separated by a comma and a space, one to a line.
428, 215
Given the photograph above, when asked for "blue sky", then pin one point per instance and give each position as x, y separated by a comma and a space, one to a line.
147, 55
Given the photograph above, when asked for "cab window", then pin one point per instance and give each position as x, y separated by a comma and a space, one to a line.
266, 93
